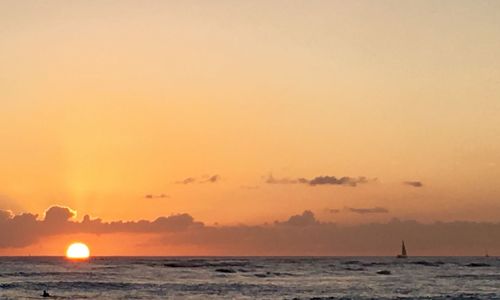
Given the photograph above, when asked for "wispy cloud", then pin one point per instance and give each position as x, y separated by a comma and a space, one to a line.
187, 180
373, 210
204, 179
153, 196
272, 180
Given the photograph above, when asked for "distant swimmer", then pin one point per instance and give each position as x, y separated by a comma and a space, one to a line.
45, 294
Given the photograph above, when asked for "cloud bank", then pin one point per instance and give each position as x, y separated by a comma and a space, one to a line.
26, 229
301, 234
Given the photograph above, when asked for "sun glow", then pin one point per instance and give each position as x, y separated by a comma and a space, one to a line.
78, 251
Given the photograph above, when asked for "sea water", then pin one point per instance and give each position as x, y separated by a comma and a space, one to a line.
251, 278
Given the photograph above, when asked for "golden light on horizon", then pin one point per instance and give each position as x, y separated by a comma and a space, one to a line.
78, 251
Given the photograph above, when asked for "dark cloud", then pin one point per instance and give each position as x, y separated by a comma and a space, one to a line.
416, 184
332, 210
374, 210
320, 180
205, 179
300, 234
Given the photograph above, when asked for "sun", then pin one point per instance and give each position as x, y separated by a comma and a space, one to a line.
78, 251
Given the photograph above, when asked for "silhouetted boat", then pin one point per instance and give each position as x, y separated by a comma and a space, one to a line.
403, 251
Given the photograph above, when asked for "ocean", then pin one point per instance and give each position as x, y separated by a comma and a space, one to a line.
251, 278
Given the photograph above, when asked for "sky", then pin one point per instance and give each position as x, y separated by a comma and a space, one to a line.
353, 116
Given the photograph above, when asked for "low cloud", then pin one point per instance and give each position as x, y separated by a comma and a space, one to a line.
373, 210
416, 184
320, 180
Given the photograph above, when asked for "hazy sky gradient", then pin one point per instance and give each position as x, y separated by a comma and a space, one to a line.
105, 102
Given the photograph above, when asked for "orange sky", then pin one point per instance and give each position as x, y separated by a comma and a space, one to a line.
103, 103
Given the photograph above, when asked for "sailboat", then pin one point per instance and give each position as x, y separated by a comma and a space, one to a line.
403, 251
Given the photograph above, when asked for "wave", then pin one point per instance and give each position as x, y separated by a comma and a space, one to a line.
273, 274
351, 262
353, 269
206, 264
44, 274
462, 296
494, 277
478, 265
428, 263
369, 264
221, 270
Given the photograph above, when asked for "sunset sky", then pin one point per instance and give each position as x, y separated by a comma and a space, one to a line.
242, 113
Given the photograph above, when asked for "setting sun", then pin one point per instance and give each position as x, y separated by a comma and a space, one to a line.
78, 251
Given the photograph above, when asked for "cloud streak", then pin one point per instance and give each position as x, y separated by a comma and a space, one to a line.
321, 180
272, 180
374, 210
